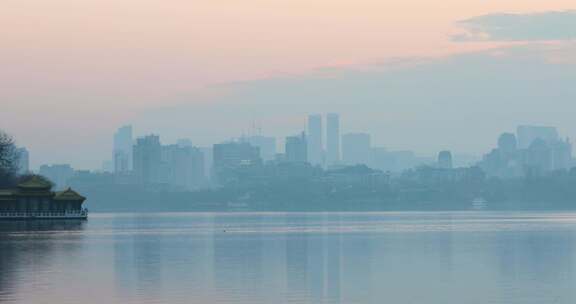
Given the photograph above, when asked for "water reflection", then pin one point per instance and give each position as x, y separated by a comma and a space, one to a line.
30, 247
291, 258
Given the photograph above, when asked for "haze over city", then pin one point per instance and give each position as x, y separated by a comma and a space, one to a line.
287, 151
417, 76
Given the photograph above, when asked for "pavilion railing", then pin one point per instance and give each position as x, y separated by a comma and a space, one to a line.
44, 214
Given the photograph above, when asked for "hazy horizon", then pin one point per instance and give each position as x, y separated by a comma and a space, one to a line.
417, 76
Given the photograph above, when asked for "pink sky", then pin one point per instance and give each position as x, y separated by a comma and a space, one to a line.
80, 68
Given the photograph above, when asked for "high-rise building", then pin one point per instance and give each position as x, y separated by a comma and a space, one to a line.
232, 155
208, 155
182, 167
296, 149
267, 146
314, 140
58, 174
332, 139
23, 160
528, 134
356, 149
147, 159
445, 160
122, 151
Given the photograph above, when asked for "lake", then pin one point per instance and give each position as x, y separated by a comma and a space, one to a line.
241, 258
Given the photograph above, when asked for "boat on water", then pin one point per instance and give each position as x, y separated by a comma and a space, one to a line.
34, 199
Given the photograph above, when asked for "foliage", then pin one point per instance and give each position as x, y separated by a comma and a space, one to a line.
8, 160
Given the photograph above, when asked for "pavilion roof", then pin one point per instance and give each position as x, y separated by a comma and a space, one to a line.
35, 183
69, 195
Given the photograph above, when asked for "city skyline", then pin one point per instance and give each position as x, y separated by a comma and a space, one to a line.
394, 69
192, 167
287, 151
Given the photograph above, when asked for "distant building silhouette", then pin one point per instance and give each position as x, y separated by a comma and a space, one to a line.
539, 150
356, 149
267, 145
147, 159
232, 155
507, 143
314, 140
296, 148
528, 134
23, 160
208, 154
122, 151
59, 174
445, 160
184, 142
332, 139
182, 167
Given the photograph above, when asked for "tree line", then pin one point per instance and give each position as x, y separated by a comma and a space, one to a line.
9, 158
10, 162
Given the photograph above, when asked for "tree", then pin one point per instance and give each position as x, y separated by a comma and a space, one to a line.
8, 160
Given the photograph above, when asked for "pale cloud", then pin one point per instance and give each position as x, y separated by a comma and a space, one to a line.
544, 26
460, 102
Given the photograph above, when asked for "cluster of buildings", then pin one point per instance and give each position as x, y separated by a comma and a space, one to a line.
532, 151
146, 161
182, 166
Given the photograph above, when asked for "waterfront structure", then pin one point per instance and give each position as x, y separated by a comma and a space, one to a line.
356, 149
34, 199
314, 137
296, 149
122, 151
332, 139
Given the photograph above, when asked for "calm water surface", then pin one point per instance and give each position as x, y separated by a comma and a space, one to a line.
444, 258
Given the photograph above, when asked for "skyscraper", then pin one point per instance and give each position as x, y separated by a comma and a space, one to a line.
332, 138
356, 148
147, 159
314, 137
122, 151
296, 149
183, 166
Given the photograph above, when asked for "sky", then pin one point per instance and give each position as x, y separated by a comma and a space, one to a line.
417, 74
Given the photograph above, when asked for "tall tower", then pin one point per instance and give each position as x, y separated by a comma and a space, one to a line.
332, 138
147, 159
315, 139
122, 152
